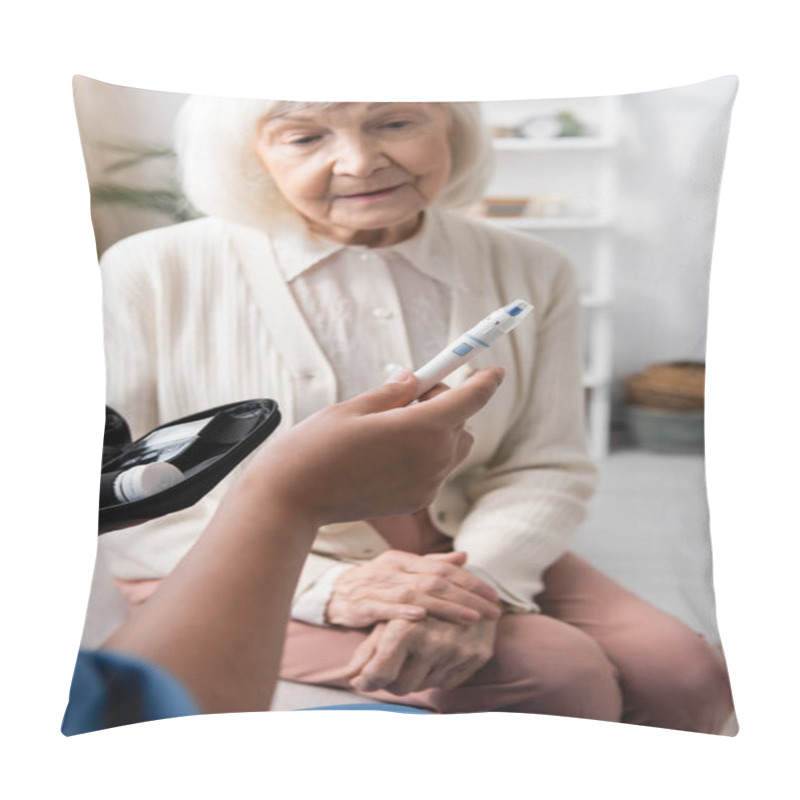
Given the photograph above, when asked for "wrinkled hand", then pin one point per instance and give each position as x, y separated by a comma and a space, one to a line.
400, 585
402, 657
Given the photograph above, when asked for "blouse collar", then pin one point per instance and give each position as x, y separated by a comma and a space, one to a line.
298, 250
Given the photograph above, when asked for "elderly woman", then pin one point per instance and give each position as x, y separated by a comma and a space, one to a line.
330, 254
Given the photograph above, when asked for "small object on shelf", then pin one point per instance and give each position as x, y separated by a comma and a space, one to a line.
665, 411
504, 206
677, 385
548, 206
679, 432
542, 126
505, 132
539, 127
570, 124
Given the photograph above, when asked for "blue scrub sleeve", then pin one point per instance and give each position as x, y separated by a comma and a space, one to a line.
111, 689
397, 709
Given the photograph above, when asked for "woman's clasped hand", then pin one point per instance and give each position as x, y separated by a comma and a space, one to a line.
400, 585
404, 656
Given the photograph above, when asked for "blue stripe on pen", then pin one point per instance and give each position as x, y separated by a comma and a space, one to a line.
474, 339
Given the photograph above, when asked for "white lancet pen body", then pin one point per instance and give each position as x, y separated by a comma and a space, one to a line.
469, 344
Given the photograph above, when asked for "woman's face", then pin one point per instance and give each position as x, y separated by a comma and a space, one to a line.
359, 173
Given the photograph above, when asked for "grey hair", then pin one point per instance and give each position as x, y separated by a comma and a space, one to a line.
222, 176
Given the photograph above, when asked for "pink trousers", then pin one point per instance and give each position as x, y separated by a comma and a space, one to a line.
597, 651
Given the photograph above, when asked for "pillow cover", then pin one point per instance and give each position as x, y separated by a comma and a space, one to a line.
222, 239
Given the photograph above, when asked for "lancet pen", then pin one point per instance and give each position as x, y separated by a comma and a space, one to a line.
471, 343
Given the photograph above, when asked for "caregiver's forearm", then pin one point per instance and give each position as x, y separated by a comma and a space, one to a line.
218, 621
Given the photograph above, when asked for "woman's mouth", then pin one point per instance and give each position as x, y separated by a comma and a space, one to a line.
376, 194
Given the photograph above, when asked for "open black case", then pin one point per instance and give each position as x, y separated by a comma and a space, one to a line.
205, 447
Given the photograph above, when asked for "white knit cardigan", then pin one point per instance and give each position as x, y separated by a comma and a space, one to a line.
198, 314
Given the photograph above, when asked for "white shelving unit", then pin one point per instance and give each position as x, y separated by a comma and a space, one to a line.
571, 181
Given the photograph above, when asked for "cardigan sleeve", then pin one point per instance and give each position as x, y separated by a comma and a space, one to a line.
129, 338
528, 499
130, 300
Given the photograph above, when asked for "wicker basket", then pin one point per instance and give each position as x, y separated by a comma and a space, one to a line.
678, 385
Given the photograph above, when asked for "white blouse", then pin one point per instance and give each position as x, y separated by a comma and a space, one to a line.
372, 310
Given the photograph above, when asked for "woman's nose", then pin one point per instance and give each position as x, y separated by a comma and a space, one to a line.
358, 155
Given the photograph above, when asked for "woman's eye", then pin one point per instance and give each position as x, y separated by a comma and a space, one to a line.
309, 139
396, 124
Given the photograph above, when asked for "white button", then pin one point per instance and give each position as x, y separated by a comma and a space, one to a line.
382, 313
390, 368
364, 256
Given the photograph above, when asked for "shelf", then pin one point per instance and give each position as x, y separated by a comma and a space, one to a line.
523, 223
571, 187
569, 143
595, 301
594, 380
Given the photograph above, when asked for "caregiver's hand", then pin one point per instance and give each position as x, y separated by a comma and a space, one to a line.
400, 585
403, 657
374, 454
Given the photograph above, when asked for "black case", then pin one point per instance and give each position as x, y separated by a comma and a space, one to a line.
232, 432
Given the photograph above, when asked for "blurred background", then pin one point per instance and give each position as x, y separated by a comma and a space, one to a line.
627, 186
